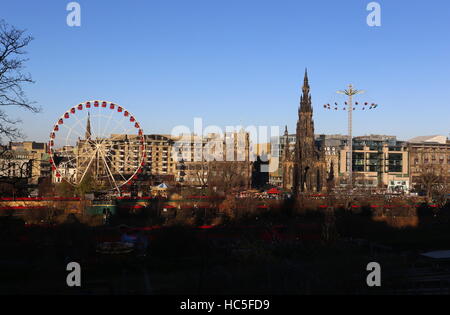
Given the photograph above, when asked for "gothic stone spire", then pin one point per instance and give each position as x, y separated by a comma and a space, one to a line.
88, 128
287, 152
305, 100
306, 150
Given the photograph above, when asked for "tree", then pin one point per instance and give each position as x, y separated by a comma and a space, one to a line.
87, 185
226, 176
201, 173
14, 173
441, 193
12, 44
46, 188
331, 179
65, 190
432, 181
229, 206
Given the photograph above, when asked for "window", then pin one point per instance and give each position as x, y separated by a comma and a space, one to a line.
374, 168
395, 162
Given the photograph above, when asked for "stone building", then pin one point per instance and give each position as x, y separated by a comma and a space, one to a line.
202, 160
378, 162
124, 157
26, 159
187, 160
429, 154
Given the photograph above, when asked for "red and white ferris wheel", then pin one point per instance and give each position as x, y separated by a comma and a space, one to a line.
100, 141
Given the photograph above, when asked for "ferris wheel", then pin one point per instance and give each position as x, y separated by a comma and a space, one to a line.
98, 142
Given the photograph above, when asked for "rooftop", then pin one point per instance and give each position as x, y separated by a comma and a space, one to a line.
437, 139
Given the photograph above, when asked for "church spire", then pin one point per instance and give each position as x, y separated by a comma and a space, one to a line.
305, 101
88, 128
286, 156
306, 80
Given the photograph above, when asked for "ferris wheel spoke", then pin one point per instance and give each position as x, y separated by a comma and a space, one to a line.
107, 153
87, 153
67, 163
121, 123
79, 122
121, 175
108, 177
84, 161
107, 141
87, 168
126, 132
79, 137
98, 121
109, 171
71, 130
108, 123
112, 163
72, 161
120, 133
69, 159
130, 131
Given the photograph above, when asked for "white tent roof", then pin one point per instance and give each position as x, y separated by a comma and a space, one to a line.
430, 139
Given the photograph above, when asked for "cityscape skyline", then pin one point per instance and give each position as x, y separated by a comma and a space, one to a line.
207, 149
190, 67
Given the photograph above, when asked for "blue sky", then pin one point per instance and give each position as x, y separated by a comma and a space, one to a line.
240, 62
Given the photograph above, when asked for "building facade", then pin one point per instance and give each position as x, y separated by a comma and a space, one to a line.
205, 161
25, 160
187, 160
378, 162
429, 155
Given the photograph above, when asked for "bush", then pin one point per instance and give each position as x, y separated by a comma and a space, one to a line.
48, 215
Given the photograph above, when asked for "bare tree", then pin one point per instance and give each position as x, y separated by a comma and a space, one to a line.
201, 174
432, 181
12, 44
441, 193
225, 176
14, 173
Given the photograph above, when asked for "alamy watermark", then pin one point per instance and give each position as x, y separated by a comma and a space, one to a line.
74, 16
232, 144
374, 277
374, 17
74, 277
